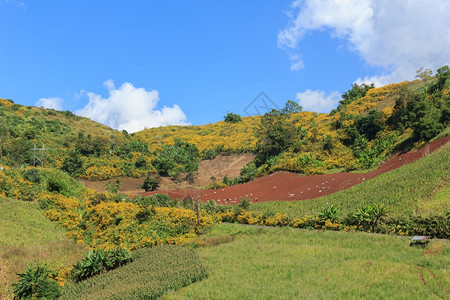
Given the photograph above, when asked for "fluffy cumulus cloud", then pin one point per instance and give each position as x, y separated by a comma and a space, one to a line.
130, 108
318, 101
398, 36
53, 103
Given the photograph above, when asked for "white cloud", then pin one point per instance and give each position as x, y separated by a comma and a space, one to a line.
52, 102
19, 4
398, 36
130, 108
318, 101
297, 62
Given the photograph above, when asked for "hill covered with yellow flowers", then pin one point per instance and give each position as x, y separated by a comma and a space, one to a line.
366, 128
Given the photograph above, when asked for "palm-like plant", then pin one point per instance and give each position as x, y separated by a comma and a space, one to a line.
36, 283
369, 216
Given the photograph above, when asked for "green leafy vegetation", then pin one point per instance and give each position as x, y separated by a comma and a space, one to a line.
178, 158
99, 261
153, 272
35, 283
232, 118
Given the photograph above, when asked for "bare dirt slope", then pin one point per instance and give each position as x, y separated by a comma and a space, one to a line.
285, 186
208, 170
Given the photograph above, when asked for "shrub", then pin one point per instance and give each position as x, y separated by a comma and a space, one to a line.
151, 183
99, 261
209, 153
435, 226
330, 212
368, 217
245, 203
36, 283
232, 118
157, 200
32, 175
73, 164
113, 188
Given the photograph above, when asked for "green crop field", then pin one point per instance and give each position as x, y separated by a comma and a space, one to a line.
285, 263
153, 272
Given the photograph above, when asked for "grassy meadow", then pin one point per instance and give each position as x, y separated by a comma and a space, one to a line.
27, 236
248, 262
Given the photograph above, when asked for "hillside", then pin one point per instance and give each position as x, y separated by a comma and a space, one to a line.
27, 236
369, 126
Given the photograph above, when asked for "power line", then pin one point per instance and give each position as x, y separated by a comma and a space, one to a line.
36, 157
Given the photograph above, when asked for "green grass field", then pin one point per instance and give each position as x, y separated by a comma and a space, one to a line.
285, 263
26, 236
405, 191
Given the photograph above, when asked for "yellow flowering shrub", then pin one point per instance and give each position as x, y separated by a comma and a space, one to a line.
278, 219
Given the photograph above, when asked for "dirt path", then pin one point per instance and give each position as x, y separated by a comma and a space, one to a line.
285, 186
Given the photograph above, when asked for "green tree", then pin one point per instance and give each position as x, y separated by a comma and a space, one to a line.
4, 138
275, 134
232, 118
356, 92
175, 159
291, 107
151, 183
73, 164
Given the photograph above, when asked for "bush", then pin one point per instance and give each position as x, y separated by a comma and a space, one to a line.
330, 212
434, 226
245, 203
209, 153
73, 164
99, 261
32, 175
36, 283
157, 200
151, 183
232, 118
368, 217
113, 188
178, 158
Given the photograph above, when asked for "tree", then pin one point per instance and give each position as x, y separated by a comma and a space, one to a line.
175, 159
275, 134
356, 92
73, 164
424, 74
151, 183
4, 138
291, 107
443, 76
232, 118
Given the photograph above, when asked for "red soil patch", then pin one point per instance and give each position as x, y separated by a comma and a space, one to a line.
285, 186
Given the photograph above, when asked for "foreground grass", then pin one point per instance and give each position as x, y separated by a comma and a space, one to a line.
153, 272
26, 236
285, 263
405, 191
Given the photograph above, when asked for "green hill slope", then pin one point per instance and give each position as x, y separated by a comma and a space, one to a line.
27, 236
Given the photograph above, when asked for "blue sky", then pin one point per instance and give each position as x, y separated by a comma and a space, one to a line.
136, 64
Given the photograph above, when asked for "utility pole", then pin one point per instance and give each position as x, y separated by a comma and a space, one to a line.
36, 157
